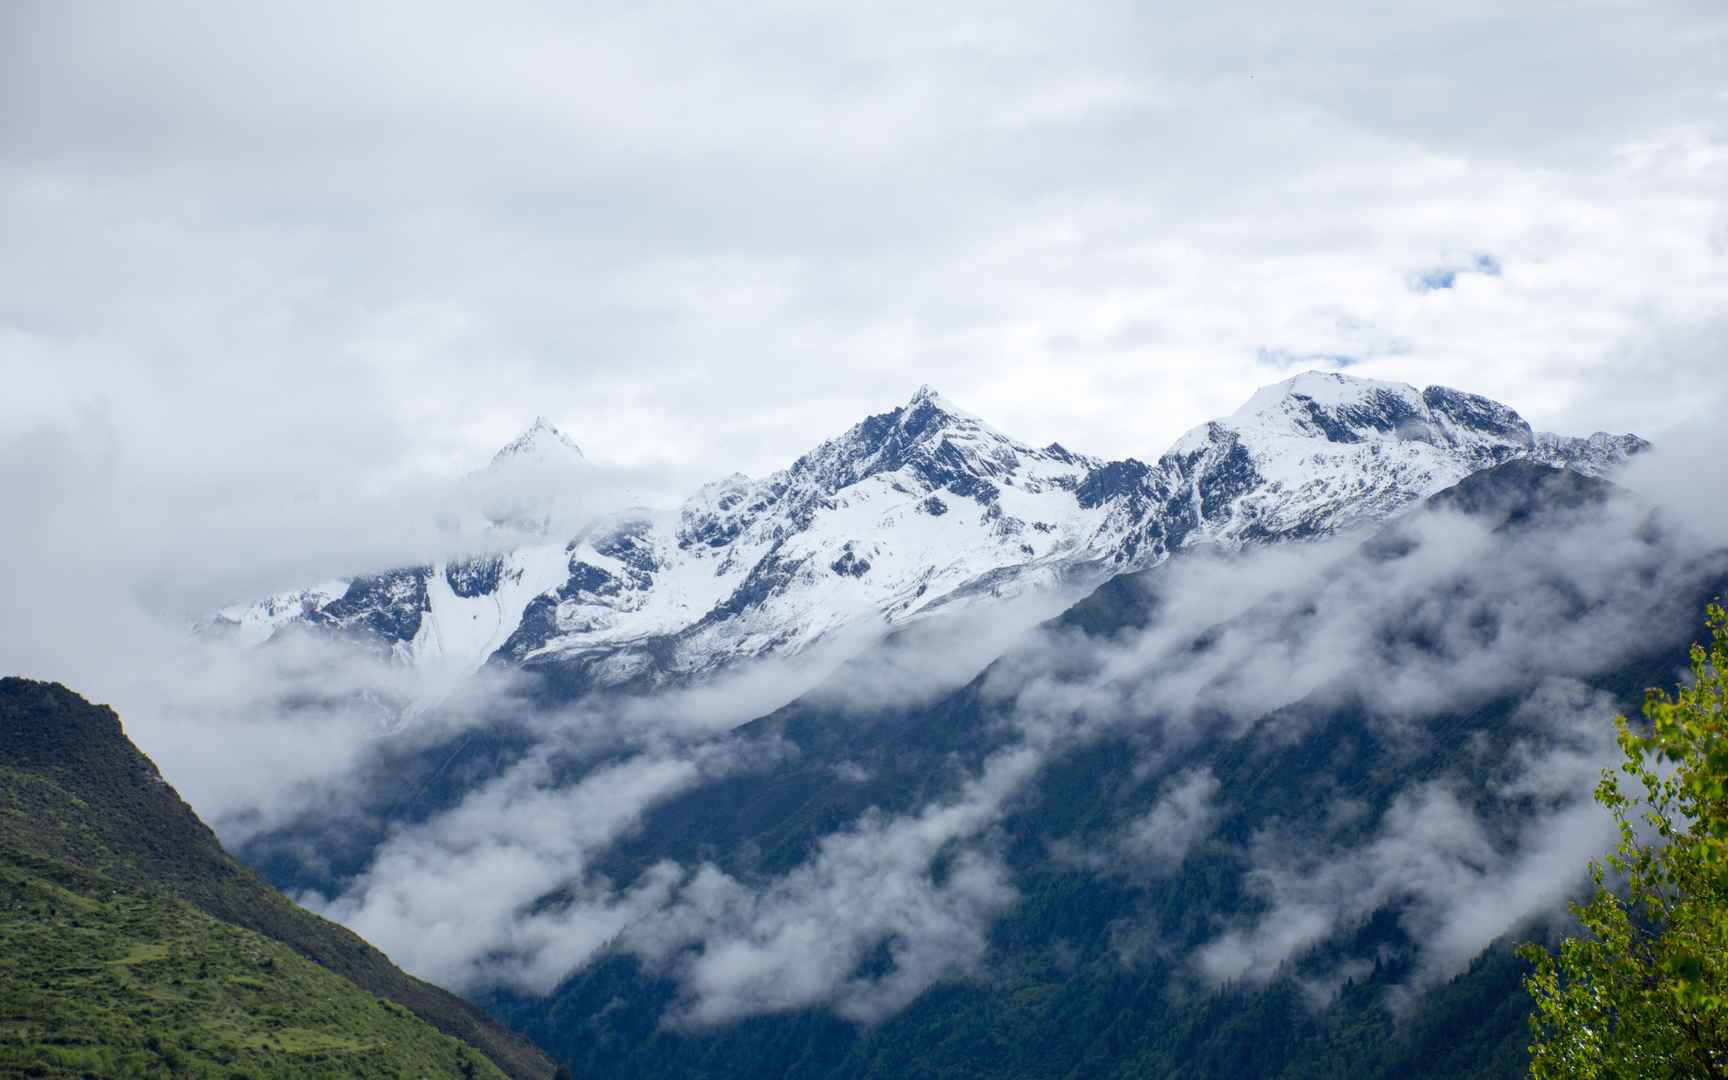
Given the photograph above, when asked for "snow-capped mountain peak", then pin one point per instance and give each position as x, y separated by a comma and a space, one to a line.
1337, 408
937, 446
1321, 451
921, 507
541, 445
1329, 389
534, 480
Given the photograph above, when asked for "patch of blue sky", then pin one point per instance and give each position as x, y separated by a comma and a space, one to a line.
1289, 358
1445, 277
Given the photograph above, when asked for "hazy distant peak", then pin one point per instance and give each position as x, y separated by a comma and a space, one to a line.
541, 444
929, 394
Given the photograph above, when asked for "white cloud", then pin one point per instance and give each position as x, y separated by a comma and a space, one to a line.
803, 939
1436, 861
1183, 816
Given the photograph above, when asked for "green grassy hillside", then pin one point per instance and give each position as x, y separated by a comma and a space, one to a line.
97, 979
126, 921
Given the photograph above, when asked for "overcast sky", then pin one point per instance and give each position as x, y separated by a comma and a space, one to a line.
252, 247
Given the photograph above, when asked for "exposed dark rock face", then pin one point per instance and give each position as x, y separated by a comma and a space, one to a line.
1480, 414
388, 606
850, 564
1127, 479
474, 577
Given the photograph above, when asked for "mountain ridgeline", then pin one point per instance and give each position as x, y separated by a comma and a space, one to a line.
919, 510
132, 944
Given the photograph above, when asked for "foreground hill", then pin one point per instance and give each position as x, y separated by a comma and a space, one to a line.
132, 944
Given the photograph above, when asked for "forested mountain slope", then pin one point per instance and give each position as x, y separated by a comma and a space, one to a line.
1172, 835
